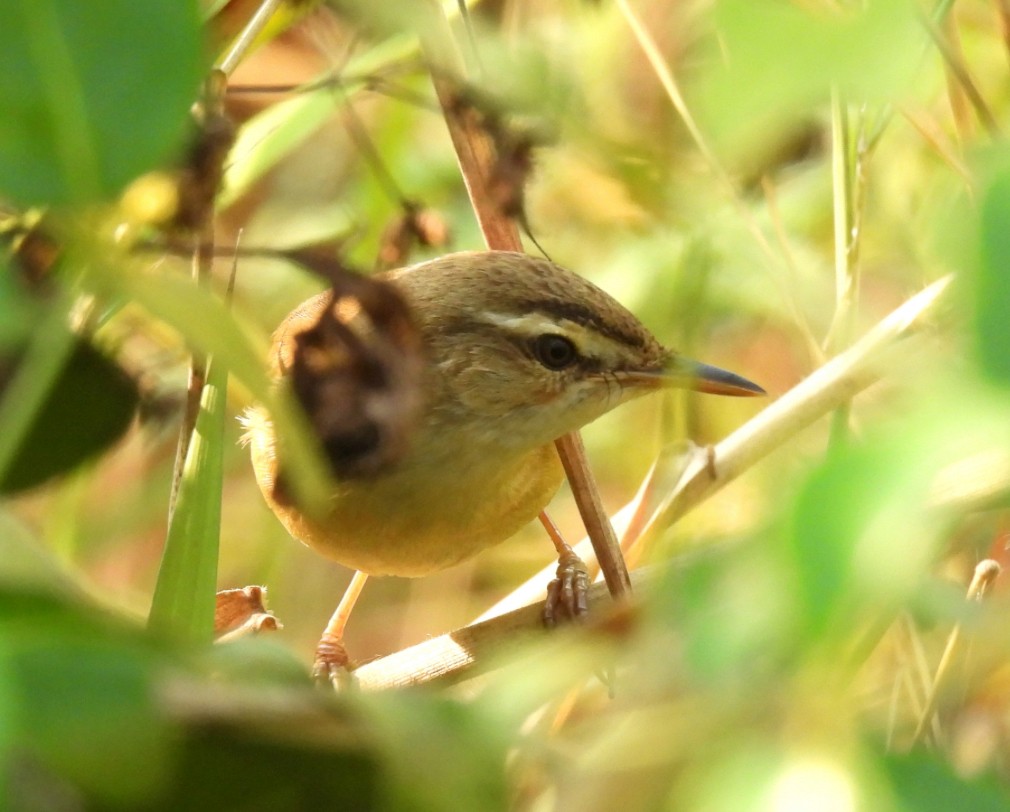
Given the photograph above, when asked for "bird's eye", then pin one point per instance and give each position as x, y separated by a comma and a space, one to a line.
554, 351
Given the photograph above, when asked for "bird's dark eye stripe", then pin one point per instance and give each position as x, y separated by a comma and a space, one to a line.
556, 352
533, 346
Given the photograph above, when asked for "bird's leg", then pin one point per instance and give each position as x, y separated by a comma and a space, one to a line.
331, 662
566, 594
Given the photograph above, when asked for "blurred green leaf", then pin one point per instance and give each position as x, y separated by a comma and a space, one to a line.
184, 597
19, 311
85, 709
211, 328
425, 739
861, 536
222, 769
739, 776
992, 283
923, 784
832, 511
725, 606
93, 94
61, 400
80, 687
782, 59
869, 522
26, 563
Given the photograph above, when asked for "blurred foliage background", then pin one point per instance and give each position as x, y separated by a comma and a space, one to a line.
760, 182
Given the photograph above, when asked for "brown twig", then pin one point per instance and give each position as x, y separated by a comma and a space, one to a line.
580, 477
476, 155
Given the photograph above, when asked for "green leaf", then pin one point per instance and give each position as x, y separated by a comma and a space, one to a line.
77, 699
62, 400
184, 598
725, 606
427, 777
992, 283
780, 60
221, 768
93, 94
862, 535
88, 406
922, 784
85, 710
19, 311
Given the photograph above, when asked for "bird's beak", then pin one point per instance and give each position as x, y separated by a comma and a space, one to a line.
683, 373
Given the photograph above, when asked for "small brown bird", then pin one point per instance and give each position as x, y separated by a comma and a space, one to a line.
517, 351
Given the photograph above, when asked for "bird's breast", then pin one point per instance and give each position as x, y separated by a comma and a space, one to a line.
424, 515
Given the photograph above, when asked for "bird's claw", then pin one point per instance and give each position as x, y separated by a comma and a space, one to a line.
567, 593
331, 667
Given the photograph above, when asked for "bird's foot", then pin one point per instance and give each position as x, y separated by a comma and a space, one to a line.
567, 593
332, 666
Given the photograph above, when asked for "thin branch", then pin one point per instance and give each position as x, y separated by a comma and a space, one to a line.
476, 154
471, 650
580, 477
244, 41
824, 390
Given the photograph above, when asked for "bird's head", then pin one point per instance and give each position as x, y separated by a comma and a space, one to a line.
521, 351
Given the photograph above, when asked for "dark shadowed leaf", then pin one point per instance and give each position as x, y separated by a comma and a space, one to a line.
89, 406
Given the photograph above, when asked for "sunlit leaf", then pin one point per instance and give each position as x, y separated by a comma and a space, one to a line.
183, 604
271, 135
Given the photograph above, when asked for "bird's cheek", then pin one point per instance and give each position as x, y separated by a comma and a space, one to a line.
483, 391
580, 405
488, 389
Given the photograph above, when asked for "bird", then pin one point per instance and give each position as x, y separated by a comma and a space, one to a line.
516, 351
